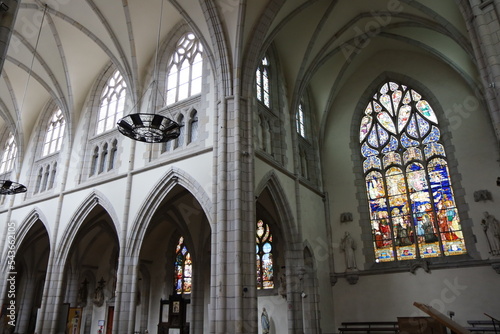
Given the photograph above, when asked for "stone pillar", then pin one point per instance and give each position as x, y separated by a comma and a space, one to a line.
25, 305
482, 19
52, 298
294, 286
126, 293
233, 299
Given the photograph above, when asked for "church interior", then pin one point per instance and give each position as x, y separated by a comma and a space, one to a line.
236, 166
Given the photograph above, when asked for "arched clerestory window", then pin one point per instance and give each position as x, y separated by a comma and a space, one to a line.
184, 71
412, 207
112, 103
300, 121
54, 134
264, 253
183, 269
8, 155
263, 82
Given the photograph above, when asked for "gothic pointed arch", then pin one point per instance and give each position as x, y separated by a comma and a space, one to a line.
174, 177
271, 183
30, 269
95, 200
35, 216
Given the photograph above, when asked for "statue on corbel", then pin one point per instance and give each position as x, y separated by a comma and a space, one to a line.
98, 299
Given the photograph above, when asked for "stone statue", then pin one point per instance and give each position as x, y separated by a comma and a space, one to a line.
264, 319
83, 293
491, 227
348, 246
98, 299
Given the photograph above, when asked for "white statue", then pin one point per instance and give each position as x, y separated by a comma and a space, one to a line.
491, 227
264, 319
348, 245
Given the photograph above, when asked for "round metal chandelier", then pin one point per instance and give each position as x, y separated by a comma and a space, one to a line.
149, 128
8, 187
146, 127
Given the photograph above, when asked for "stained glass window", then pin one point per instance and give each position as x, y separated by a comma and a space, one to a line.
8, 155
183, 267
184, 72
413, 213
112, 103
262, 80
264, 249
54, 134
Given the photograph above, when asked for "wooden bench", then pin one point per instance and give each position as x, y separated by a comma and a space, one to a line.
369, 327
484, 326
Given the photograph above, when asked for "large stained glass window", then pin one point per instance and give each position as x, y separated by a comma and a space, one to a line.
262, 80
413, 212
264, 248
183, 267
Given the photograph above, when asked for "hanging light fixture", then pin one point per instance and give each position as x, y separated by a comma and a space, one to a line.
8, 187
150, 127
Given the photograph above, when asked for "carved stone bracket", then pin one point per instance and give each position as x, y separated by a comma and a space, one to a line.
352, 278
333, 279
496, 266
420, 264
482, 195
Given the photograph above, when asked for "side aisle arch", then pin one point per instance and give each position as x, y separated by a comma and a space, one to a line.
92, 201
150, 205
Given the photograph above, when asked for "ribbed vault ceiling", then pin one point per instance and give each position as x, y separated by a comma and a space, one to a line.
319, 43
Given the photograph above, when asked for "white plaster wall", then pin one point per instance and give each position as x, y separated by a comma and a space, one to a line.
276, 307
469, 292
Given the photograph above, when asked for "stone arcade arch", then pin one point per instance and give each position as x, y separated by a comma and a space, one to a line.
171, 210
76, 258
89, 277
272, 205
32, 254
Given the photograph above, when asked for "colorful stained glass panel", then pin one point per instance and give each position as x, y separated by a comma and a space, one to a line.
403, 117
375, 185
386, 102
265, 264
396, 98
392, 158
366, 124
371, 163
425, 109
433, 149
372, 138
433, 136
392, 146
412, 128
386, 121
423, 126
383, 136
412, 153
